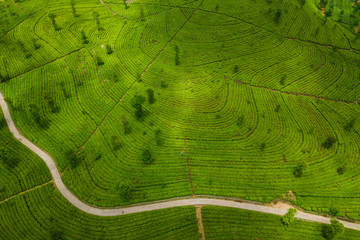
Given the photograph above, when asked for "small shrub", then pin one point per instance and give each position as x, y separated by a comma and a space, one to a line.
241, 120
236, 69
289, 217
282, 80
340, 170
159, 140
278, 107
84, 38
350, 125
333, 211
262, 146
126, 125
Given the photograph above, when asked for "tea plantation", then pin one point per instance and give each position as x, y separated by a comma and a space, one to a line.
148, 100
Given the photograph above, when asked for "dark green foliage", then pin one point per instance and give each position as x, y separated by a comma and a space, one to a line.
125, 4
146, 157
328, 13
299, 170
35, 44
99, 61
159, 140
350, 125
331, 231
302, 2
163, 84
278, 107
73, 8
289, 217
33, 112
50, 102
151, 98
333, 211
96, 16
7, 160
126, 125
2, 188
277, 16
108, 49
125, 189
53, 22
63, 89
217, 7
241, 120
262, 146
282, 80
55, 234
3, 78
236, 69
84, 38
329, 142
341, 170
177, 57
73, 159
115, 143
142, 14
115, 77
136, 103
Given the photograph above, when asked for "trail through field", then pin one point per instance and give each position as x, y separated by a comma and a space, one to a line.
150, 206
200, 222
18, 6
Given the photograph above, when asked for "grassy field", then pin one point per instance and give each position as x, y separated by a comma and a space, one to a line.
246, 99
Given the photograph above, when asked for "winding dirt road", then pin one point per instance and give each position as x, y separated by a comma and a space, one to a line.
150, 206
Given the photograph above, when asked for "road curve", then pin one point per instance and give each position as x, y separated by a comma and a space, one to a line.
150, 206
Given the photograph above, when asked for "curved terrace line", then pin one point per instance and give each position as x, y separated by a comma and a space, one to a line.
149, 206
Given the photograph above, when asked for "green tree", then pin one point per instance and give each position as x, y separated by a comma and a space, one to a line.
236, 69
331, 231
125, 4
136, 102
108, 49
277, 16
177, 57
125, 189
289, 217
146, 157
329, 142
72, 158
50, 102
99, 61
299, 170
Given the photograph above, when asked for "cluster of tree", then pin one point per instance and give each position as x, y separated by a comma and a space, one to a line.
289, 217
177, 57
137, 103
99, 61
52, 16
